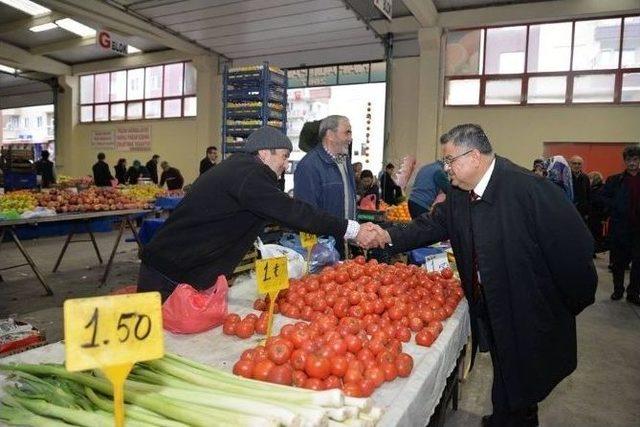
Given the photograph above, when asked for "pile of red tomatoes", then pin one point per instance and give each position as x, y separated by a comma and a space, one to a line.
359, 313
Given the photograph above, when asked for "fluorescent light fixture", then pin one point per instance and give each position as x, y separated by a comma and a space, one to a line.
43, 27
27, 6
8, 69
75, 27
132, 49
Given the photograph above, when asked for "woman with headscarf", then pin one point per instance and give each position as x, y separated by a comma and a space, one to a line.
559, 173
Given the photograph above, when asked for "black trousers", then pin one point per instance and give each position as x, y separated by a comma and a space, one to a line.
623, 253
150, 280
504, 414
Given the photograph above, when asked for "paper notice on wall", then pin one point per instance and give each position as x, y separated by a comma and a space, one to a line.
133, 138
103, 140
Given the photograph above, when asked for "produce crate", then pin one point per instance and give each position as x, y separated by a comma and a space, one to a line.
247, 264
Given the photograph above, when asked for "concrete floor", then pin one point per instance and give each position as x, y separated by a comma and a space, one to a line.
604, 390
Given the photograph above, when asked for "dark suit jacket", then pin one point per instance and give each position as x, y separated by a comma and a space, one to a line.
205, 165
101, 175
534, 256
152, 169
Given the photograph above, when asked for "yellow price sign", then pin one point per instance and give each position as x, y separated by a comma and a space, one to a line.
272, 276
112, 333
308, 240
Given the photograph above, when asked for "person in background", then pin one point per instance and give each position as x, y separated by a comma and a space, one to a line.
597, 212
101, 175
44, 168
539, 167
430, 181
367, 187
581, 187
391, 192
135, 172
621, 194
209, 160
357, 170
152, 168
499, 216
219, 219
171, 176
324, 177
121, 171
559, 173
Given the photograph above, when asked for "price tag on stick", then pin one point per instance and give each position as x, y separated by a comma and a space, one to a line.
272, 276
112, 333
308, 241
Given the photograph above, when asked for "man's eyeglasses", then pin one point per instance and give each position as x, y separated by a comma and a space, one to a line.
448, 160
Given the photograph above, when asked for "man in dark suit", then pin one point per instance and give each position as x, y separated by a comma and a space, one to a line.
44, 168
209, 160
101, 175
581, 187
525, 260
152, 168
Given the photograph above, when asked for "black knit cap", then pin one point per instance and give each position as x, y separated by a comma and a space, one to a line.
267, 138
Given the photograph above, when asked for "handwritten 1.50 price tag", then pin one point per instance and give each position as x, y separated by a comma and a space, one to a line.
112, 333
272, 276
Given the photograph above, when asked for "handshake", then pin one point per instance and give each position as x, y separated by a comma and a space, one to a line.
372, 236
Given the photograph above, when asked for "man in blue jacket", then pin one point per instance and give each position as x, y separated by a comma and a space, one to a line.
430, 180
324, 177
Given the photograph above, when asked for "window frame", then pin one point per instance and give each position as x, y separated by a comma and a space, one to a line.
338, 73
570, 74
162, 98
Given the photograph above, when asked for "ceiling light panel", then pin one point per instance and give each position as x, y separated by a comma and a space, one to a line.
27, 6
75, 27
43, 27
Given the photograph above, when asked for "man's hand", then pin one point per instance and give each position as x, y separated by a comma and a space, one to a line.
372, 236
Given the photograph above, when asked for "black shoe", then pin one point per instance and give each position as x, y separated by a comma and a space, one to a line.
486, 421
633, 299
616, 295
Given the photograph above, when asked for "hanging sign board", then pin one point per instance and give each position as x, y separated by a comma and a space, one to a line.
109, 41
133, 138
385, 6
103, 140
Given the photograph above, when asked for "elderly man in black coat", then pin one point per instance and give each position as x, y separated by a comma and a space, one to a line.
525, 260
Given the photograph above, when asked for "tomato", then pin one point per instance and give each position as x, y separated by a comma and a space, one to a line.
317, 366
287, 330
383, 336
247, 354
339, 365
404, 363
244, 368
341, 277
403, 334
352, 376
338, 346
376, 374
352, 389
325, 351
390, 371
299, 336
354, 297
245, 328
436, 325
310, 346
356, 311
352, 323
298, 359
262, 325
229, 328
252, 318
386, 356
282, 374
415, 324
261, 369
395, 346
395, 313
446, 273
375, 345
259, 304
425, 337
260, 353
360, 260
299, 377
278, 352
232, 317
367, 387
313, 384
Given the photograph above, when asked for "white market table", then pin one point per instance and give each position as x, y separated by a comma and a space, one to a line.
407, 401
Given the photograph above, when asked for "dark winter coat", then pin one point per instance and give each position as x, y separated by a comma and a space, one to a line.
615, 196
218, 220
535, 262
101, 175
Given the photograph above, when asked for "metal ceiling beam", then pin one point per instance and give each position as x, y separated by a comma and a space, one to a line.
404, 25
26, 23
367, 22
424, 11
63, 45
125, 23
22, 59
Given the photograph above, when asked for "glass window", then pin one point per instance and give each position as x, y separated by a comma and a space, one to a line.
378, 72
135, 83
503, 92
505, 50
297, 78
549, 47
353, 73
134, 110
153, 82
117, 111
86, 113
464, 52
102, 88
631, 43
594, 88
173, 79
152, 109
101, 113
86, 89
190, 106
323, 76
463, 92
547, 90
172, 108
118, 86
631, 87
190, 79
596, 44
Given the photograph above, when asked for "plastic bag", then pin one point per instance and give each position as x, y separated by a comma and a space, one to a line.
296, 264
368, 203
189, 311
323, 253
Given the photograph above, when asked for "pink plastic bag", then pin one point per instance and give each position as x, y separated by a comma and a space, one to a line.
189, 311
368, 203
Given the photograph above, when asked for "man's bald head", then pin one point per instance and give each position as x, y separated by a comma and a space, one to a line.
576, 163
